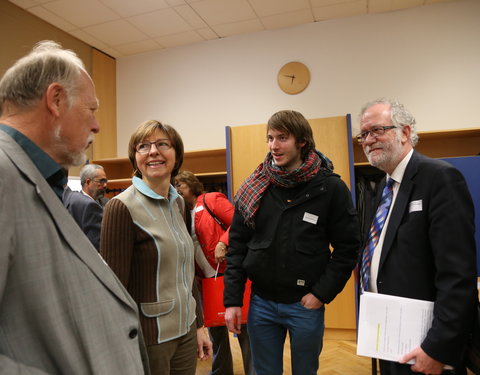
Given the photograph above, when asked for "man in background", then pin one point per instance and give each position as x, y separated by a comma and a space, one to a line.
94, 182
62, 310
85, 205
426, 245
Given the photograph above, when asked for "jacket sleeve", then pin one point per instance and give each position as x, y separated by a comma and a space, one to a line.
344, 237
92, 221
198, 308
452, 239
224, 210
117, 239
235, 275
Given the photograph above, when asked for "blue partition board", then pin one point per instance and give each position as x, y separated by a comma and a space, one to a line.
470, 168
348, 118
228, 139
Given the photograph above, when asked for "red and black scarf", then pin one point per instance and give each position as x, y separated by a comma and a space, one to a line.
247, 200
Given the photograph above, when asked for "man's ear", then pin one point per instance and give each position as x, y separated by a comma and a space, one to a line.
406, 130
55, 97
301, 144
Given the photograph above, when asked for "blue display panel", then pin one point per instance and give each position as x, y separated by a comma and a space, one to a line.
470, 168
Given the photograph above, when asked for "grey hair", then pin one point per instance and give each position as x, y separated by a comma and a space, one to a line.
89, 172
399, 115
24, 84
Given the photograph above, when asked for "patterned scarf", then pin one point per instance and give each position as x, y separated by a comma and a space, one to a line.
247, 200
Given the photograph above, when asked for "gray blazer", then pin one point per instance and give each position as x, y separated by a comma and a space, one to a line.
62, 310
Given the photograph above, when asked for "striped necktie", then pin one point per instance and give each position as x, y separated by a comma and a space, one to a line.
374, 234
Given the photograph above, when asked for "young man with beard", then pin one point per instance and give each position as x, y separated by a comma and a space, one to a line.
426, 249
62, 310
288, 213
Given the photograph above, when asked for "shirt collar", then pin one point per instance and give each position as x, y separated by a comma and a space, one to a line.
399, 171
87, 195
141, 186
48, 168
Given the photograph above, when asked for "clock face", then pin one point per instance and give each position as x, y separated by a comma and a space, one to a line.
293, 77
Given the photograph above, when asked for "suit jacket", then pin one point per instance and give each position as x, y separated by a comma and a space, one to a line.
62, 310
429, 252
86, 212
103, 201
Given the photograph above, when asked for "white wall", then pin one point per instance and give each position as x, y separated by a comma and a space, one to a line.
427, 57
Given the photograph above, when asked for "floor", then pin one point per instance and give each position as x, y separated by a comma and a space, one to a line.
338, 358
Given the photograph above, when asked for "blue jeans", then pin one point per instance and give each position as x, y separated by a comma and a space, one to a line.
268, 323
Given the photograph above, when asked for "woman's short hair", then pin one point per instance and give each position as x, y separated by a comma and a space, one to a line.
145, 130
294, 123
191, 181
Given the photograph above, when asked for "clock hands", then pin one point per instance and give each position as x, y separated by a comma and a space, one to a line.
292, 77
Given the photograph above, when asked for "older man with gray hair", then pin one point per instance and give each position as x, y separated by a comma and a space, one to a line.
85, 206
62, 310
421, 243
94, 182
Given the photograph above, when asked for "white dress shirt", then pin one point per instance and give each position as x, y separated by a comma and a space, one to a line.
397, 176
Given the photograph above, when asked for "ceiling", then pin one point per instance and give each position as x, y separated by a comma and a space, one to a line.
128, 27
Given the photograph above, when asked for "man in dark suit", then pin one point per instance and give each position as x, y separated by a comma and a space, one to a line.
426, 249
86, 212
84, 206
94, 182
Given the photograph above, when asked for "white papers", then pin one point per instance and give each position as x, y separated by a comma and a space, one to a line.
390, 327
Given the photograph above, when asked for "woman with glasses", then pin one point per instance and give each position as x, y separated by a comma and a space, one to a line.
145, 241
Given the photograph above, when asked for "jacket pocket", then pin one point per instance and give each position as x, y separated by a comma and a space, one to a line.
307, 263
307, 251
258, 245
155, 309
256, 258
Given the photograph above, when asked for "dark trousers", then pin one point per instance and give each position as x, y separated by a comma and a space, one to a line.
175, 357
222, 363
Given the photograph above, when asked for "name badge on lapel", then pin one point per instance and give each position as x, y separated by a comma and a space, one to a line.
310, 218
198, 208
415, 206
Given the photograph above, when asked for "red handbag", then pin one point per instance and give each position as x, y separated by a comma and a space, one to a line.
213, 308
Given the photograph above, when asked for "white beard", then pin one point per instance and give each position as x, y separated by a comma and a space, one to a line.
70, 158
390, 154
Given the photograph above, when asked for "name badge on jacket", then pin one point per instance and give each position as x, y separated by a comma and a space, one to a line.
415, 206
310, 218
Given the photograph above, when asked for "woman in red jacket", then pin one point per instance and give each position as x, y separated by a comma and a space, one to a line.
212, 215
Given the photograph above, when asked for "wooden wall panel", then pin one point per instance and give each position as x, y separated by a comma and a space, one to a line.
331, 138
104, 77
248, 147
20, 30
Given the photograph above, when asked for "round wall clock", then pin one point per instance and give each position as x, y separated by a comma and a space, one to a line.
293, 77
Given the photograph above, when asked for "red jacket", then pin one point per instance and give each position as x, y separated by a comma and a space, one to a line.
208, 231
